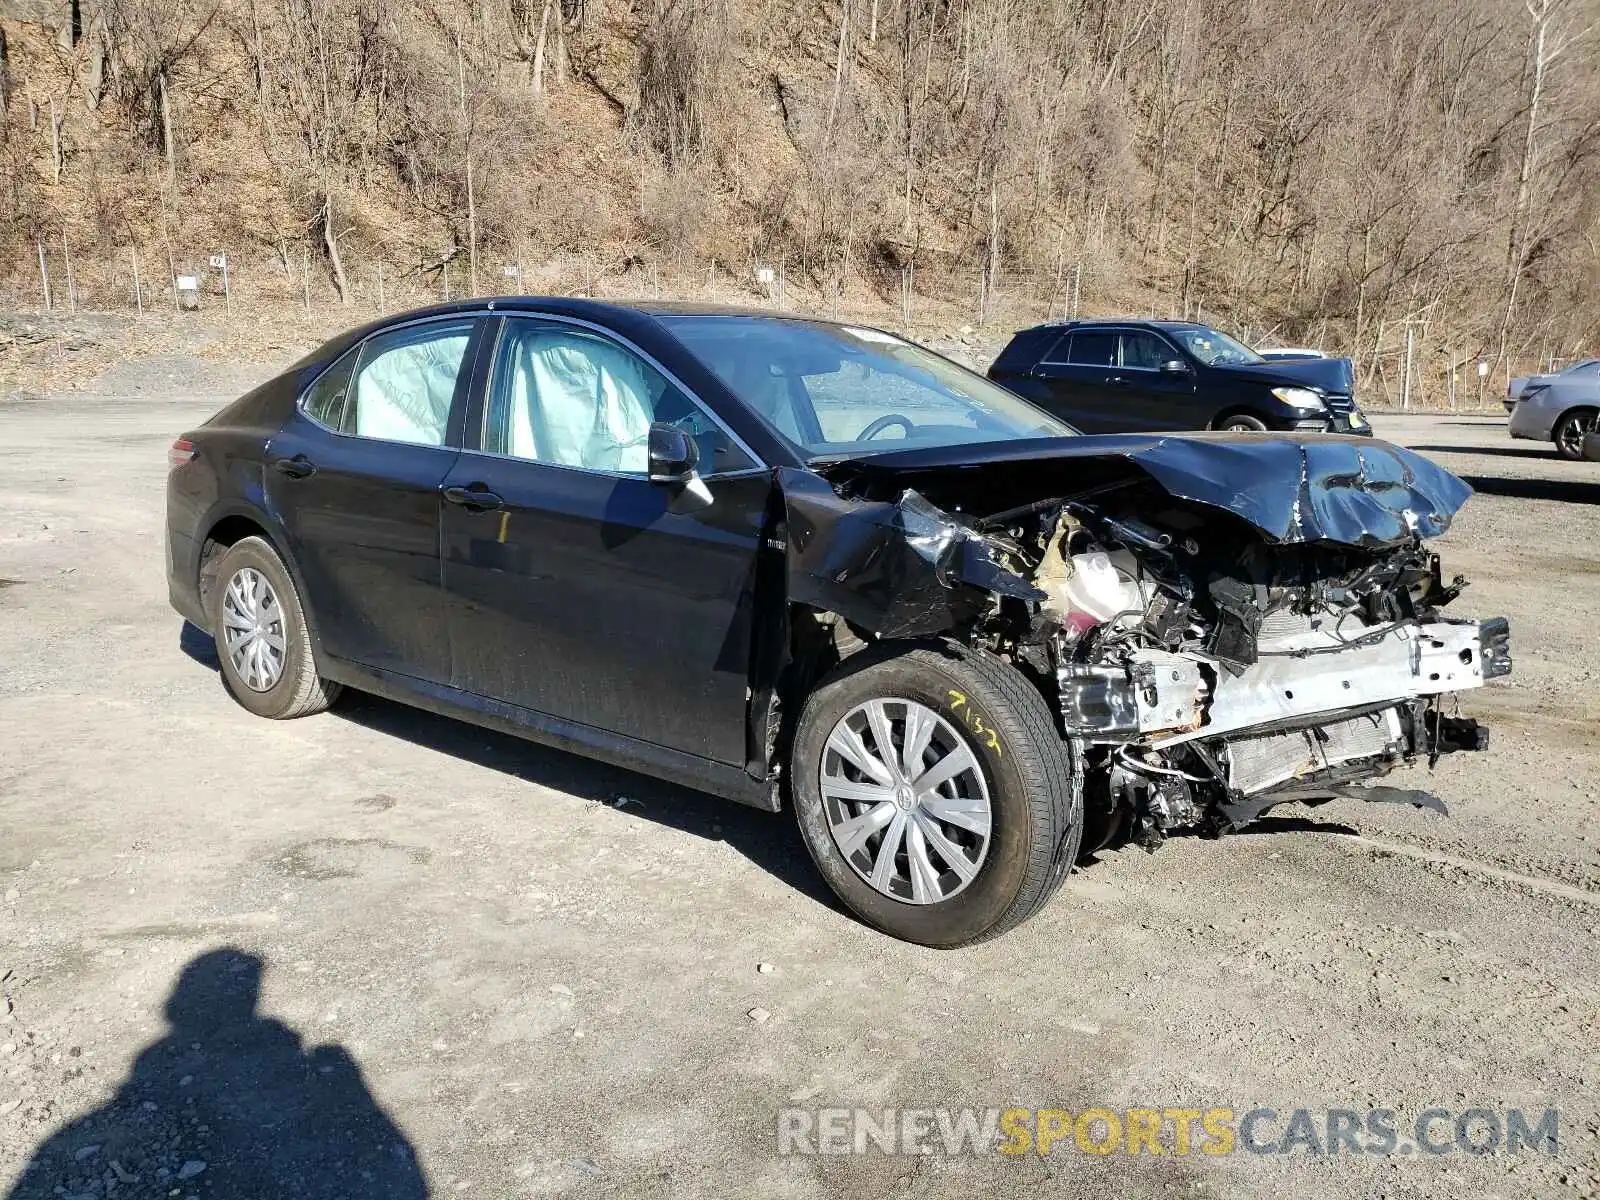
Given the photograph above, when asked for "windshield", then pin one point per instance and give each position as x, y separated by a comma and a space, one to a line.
842, 390
1215, 349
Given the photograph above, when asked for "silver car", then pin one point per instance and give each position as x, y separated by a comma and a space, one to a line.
1558, 408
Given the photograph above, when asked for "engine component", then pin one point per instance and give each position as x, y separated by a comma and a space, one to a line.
1097, 589
1446, 735
1494, 647
1150, 691
1326, 670
1158, 801
1264, 761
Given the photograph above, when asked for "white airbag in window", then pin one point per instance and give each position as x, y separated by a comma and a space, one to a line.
579, 402
404, 394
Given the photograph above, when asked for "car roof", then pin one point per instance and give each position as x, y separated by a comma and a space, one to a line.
1092, 322
600, 309
623, 316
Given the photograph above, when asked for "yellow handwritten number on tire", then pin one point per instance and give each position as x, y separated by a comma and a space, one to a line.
973, 720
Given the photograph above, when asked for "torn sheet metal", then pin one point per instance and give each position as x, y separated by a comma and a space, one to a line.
1293, 488
900, 568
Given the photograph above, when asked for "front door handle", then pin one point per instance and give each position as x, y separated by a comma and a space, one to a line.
475, 497
1117, 379
298, 467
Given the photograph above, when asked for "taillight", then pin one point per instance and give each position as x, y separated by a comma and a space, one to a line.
180, 452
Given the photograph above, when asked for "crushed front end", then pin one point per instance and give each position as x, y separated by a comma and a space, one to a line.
1224, 684
1222, 625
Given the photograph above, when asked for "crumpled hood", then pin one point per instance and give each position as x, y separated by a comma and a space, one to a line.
1292, 487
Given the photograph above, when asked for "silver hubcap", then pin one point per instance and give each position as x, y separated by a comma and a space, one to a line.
252, 628
906, 800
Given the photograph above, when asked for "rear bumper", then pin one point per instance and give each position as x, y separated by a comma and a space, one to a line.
1532, 422
183, 578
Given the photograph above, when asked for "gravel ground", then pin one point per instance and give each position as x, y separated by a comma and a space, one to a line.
380, 953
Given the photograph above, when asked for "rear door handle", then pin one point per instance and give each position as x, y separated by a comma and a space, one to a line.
1117, 379
298, 467
475, 497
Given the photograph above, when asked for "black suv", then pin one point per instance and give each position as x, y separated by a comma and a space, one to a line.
1117, 376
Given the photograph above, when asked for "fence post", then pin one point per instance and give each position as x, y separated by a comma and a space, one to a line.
66, 258
1405, 379
138, 299
44, 274
172, 277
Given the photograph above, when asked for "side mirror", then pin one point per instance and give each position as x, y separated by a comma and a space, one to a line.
1175, 366
674, 459
673, 456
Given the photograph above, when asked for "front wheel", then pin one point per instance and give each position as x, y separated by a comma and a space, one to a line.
1570, 431
262, 639
1241, 423
935, 793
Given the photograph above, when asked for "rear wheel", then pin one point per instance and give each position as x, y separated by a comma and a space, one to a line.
1570, 431
935, 794
262, 640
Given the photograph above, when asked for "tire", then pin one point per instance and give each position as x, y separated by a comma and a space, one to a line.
1569, 431
295, 690
1241, 423
1033, 793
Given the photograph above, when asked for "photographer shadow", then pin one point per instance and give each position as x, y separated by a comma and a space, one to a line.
230, 1103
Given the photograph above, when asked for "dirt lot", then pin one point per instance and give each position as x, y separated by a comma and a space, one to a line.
490, 969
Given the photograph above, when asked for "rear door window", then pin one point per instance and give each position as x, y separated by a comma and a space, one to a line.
1093, 348
324, 399
406, 383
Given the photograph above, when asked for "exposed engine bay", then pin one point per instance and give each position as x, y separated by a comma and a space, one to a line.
1221, 624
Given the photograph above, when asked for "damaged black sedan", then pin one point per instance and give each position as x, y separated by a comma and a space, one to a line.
794, 561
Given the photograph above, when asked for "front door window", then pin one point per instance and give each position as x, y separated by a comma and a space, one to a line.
571, 398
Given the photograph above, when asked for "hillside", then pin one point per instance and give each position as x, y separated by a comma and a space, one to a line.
1343, 173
